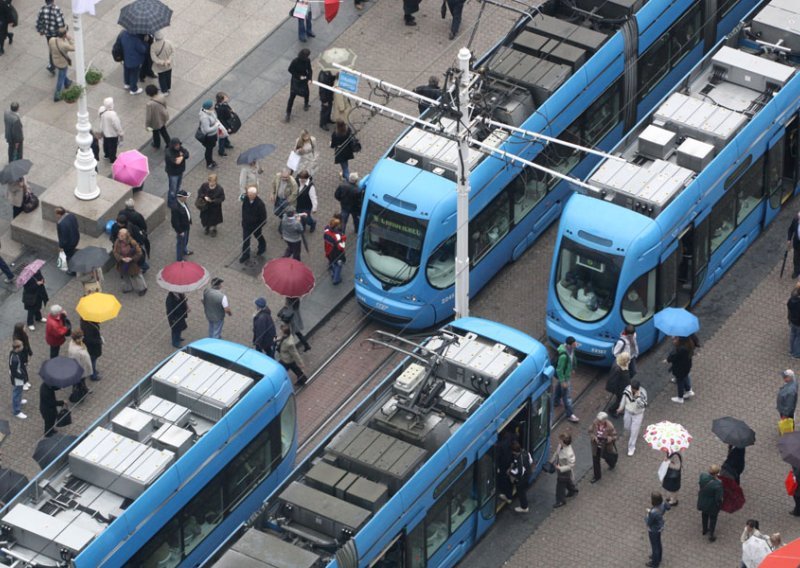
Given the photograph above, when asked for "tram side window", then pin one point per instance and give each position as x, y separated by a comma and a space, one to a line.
686, 34
486, 478
602, 115
288, 425
653, 65
416, 547
441, 269
526, 191
774, 174
436, 524
489, 227
201, 515
462, 500
722, 220
749, 189
450, 512
639, 302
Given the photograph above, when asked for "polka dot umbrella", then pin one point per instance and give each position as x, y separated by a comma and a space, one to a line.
667, 437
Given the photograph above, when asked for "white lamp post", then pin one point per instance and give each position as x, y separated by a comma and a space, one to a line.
85, 163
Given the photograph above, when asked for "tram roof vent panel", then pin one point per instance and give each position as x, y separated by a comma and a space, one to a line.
260, 549
751, 71
567, 32
44, 533
700, 120
779, 21
656, 143
695, 155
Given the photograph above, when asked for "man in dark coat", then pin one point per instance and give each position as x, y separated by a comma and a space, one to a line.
349, 196
68, 233
301, 72
94, 345
456, 8
325, 98
431, 90
175, 157
793, 242
14, 135
254, 215
177, 311
264, 329
135, 53
48, 408
709, 500
410, 7
181, 221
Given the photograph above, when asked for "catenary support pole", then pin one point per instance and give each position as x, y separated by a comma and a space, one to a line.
462, 207
85, 163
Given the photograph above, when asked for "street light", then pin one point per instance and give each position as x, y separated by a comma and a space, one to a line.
85, 164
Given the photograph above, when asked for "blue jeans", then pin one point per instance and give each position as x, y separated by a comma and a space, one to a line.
16, 399
564, 392
336, 272
131, 75
5, 269
181, 245
308, 220
304, 27
176, 337
174, 186
61, 82
794, 339
655, 547
215, 328
346, 169
346, 216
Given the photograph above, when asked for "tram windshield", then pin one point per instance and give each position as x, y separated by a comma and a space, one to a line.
586, 280
392, 244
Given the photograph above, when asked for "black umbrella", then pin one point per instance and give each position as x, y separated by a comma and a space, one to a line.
733, 431
789, 447
87, 259
145, 16
255, 153
61, 372
11, 483
15, 170
48, 449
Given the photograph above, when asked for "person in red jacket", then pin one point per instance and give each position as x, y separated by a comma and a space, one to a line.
57, 329
334, 241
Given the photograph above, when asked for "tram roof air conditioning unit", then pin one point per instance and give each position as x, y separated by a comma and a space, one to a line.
751, 71
409, 379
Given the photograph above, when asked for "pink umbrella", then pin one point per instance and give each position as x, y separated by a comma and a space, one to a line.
28, 272
131, 168
182, 276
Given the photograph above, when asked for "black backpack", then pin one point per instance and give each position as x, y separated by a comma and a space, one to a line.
117, 53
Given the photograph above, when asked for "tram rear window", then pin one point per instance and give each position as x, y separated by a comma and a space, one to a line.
586, 280
392, 244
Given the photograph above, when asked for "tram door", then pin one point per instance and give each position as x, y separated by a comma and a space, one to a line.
791, 159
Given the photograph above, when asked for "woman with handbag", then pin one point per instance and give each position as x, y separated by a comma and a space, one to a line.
342, 148
301, 72
306, 148
34, 298
15, 193
603, 438
208, 132
229, 119
564, 462
209, 201
671, 482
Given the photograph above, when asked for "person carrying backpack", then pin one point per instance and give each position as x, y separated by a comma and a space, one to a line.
518, 473
565, 362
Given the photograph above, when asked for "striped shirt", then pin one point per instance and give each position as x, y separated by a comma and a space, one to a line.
50, 19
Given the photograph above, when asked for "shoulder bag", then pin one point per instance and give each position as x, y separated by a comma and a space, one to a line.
29, 202
64, 417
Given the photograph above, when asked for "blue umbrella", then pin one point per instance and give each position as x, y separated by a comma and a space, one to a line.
677, 322
61, 372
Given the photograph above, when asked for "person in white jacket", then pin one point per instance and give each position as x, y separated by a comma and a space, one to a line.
564, 462
755, 545
111, 127
209, 127
249, 177
161, 52
633, 402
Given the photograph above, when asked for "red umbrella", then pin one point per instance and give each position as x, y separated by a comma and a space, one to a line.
288, 277
784, 557
331, 9
182, 276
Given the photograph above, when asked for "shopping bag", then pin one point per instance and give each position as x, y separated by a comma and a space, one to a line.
785, 425
300, 10
293, 161
61, 263
791, 484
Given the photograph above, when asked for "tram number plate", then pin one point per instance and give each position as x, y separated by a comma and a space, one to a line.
380, 306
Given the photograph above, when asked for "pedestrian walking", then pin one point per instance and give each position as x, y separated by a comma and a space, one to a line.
306, 148
301, 72
787, 396
304, 25
518, 472
135, 218
254, 216
410, 7
326, 97
229, 119
284, 192
307, 200
633, 403
264, 334
177, 312
456, 8
161, 53
335, 241
793, 313
793, 243
733, 466
127, 253
350, 198
755, 545
8, 17
289, 356
249, 177
111, 127
181, 220
216, 307
15, 193
709, 500
60, 47
134, 50
671, 482
431, 90
292, 233
69, 234
618, 380
564, 462
627, 343
680, 361
77, 350
341, 142
209, 201
655, 526
94, 345
156, 116
14, 133
175, 157
34, 298
20, 334
209, 127
341, 106
18, 372
564, 366
290, 315
48, 408
603, 437
57, 329
49, 20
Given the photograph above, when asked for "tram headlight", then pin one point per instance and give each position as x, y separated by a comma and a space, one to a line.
411, 298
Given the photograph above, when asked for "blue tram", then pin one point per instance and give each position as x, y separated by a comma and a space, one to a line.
163, 477
705, 173
409, 478
582, 71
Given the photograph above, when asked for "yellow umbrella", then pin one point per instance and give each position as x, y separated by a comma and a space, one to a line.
98, 307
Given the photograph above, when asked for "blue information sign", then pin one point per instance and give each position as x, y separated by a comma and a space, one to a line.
348, 82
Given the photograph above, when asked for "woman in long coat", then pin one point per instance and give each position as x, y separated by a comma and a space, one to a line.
342, 148
94, 344
34, 298
48, 408
212, 195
